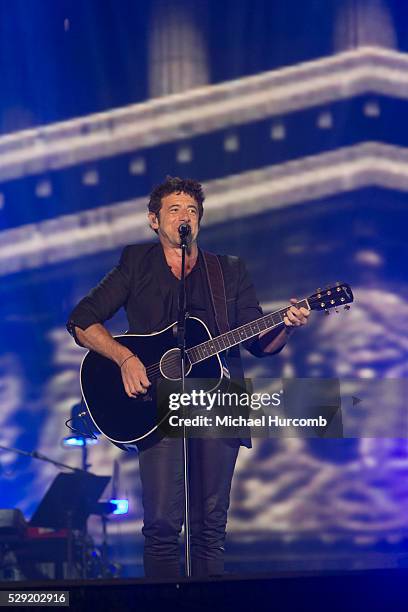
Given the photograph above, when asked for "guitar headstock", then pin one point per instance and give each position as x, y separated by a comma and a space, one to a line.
331, 297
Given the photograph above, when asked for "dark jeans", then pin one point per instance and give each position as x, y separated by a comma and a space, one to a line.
212, 463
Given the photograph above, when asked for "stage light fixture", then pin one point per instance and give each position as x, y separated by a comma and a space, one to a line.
231, 143
90, 178
184, 155
372, 109
43, 189
78, 441
325, 120
278, 131
137, 166
122, 505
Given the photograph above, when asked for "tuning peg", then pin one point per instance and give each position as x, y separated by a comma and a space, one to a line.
327, 312
336, 310
347, 307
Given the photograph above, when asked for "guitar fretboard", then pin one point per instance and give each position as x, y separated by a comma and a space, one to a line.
207, 349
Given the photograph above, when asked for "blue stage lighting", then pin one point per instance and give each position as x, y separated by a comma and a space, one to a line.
83, 432
75, 441
122, 506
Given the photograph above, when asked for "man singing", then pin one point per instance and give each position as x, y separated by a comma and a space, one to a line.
146, 283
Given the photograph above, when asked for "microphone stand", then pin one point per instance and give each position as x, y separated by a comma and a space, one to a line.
184, 231
37, 455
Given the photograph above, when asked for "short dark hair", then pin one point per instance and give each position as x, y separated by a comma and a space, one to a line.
174, 184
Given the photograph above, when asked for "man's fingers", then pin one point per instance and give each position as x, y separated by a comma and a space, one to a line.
135, 378
141, 376
293, 316
145, 381
142, 383
134, 386
294, 310
129, 391
138, 387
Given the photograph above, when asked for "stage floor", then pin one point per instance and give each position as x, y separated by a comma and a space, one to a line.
311, 591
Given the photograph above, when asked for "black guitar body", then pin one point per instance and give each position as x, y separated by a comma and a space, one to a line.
127, 420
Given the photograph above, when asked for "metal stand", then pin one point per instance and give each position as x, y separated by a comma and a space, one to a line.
68, 503
39, 456
184, 231
70, 547
104, 547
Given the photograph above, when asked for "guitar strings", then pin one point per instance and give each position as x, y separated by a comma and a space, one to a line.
173, 370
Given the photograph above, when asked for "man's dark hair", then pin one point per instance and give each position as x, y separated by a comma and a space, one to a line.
174, 184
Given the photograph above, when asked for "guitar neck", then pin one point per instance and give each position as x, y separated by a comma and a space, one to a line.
207, 349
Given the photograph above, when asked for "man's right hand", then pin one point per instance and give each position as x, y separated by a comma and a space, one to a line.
97, 338
134, 377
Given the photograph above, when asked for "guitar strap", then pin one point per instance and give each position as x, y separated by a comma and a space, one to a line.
216, 284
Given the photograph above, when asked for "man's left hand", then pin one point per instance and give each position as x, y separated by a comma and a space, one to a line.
295, 317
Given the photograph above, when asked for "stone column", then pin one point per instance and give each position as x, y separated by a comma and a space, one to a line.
360, 23
178, 58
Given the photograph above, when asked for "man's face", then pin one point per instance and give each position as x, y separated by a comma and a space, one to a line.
176, 208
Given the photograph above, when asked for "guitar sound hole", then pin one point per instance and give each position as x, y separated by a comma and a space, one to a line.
170, 365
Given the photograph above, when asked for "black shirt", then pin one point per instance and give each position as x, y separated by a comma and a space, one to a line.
196, 290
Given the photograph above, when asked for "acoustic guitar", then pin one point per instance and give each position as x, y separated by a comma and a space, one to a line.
126, 420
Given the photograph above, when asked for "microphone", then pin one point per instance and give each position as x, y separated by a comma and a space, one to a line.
184, 230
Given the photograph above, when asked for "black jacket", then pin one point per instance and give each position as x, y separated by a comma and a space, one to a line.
136, 284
